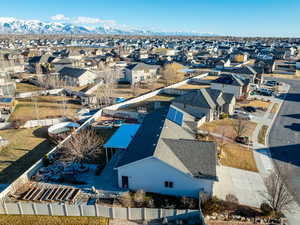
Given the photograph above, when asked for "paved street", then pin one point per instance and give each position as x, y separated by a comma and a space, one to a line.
284, 139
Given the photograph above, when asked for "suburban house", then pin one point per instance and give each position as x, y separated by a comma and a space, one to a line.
232, 84
140, 72
77, 76
164, 157
206, 102
246, 72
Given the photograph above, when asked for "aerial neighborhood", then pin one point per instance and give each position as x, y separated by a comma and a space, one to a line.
147, 128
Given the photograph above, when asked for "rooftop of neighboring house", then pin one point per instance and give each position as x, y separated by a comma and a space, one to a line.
72, 72
141, 66
229, 79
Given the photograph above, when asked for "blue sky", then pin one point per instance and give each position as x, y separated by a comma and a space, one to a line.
227, 17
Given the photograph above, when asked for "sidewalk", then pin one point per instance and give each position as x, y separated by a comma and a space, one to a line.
263, 156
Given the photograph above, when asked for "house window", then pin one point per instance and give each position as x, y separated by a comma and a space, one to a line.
168, 184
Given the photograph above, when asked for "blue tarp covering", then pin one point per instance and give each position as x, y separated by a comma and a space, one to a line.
123, 136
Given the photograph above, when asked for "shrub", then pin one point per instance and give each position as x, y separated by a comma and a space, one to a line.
266, 209
212, 205
188, 203
232, 198
126, 199
139, 197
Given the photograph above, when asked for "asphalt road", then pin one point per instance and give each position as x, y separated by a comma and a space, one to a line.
284, 138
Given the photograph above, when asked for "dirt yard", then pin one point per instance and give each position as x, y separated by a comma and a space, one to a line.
254, 103
226, 126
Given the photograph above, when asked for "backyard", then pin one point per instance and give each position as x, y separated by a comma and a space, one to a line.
48, 107
26, 87
25, 148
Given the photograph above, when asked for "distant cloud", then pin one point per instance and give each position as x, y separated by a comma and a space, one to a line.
60, 17
91, 20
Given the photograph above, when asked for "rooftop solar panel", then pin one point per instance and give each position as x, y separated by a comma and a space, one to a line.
175, 116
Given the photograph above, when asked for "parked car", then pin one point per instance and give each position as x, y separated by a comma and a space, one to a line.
265, 92
243, 140
241, 115
249, 109
272, 83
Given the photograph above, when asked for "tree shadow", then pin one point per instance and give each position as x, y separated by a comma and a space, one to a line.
41, 132
293, 97
16, 168
289, 154
294, 127
294, 116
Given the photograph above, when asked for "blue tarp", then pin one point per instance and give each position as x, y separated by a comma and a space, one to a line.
123, 136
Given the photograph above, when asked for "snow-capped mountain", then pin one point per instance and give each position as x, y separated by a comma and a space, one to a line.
10, 25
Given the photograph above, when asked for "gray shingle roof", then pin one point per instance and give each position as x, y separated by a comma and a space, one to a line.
72, 72
228, 79
199, 157
200, 98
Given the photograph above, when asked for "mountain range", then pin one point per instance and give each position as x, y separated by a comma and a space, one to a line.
10, 25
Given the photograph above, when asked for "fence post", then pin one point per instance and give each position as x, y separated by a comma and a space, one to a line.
50, 209
4, 207
112, 210
96, 210
144, 214
20, 208
65, 209
128, 214
80, 210
33, 208
160, 213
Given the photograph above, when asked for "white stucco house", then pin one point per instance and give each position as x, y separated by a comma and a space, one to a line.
77, 76
140, 72
164, 157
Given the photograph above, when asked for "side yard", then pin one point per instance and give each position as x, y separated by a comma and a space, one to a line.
231, 154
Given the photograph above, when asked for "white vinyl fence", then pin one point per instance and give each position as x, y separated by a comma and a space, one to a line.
54, 209
44, 122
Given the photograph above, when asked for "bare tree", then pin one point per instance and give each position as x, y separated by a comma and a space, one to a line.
277, 195
239, 127
135, 89
81, 146
104, 92
171, 73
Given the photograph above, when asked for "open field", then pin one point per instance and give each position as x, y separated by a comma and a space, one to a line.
25, 148
26, 87
254, 103
51, 220
48, 107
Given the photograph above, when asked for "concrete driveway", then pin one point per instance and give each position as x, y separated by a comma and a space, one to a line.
247, 186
